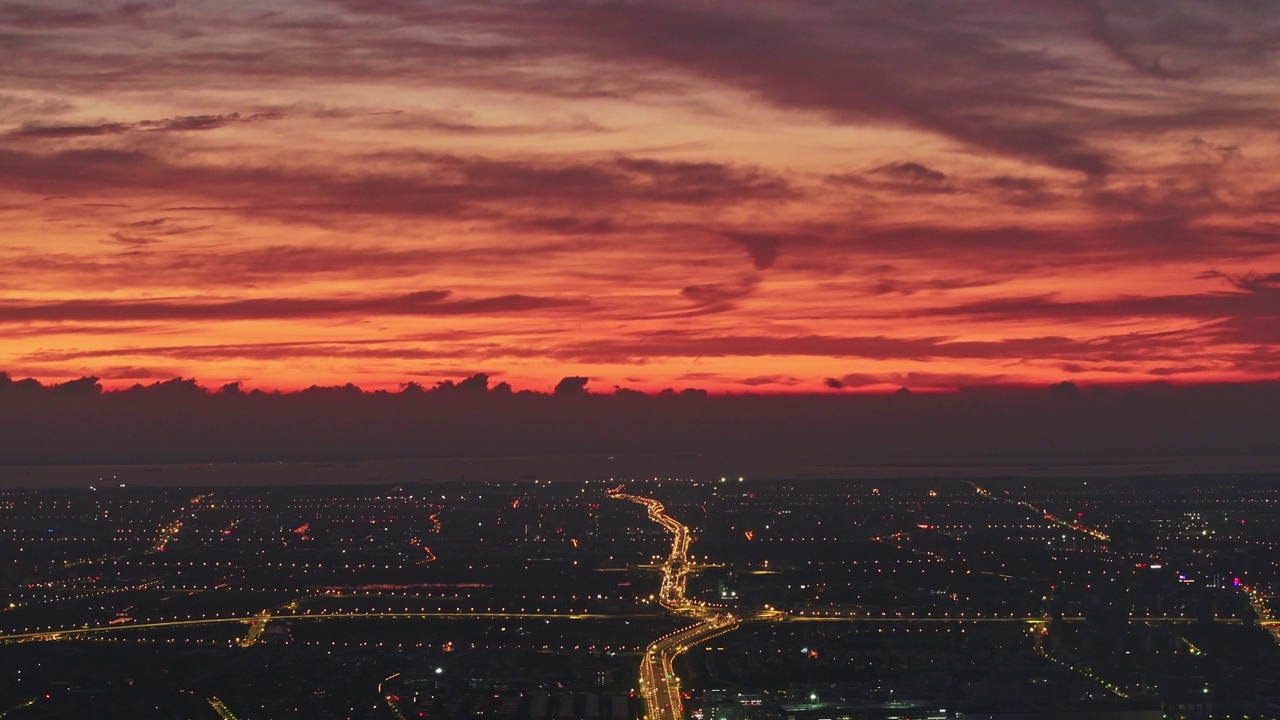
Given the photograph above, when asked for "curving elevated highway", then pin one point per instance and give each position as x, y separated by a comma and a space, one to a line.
658, 682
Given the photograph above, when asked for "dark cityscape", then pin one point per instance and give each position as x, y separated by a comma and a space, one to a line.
610, 598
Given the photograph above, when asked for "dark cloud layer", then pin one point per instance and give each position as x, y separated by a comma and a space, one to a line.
178, 124
678, 344
176, 420
873, 61
428, 185
426, 302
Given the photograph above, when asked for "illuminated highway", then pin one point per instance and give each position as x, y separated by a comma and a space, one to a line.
26, 704
707, 626
658, 682
1040, 630
1258, 601
82, 631
220, 708
257, 626
1048, 516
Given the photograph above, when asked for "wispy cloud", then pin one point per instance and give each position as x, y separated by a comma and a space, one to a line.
425, 303
189, 123
425, 185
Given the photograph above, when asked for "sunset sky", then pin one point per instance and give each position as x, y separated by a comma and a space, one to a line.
732, 195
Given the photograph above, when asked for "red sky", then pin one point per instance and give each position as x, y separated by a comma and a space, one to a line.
737, 196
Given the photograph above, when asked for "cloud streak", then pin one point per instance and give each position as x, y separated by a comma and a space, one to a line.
426, 185
422, 303
188, 123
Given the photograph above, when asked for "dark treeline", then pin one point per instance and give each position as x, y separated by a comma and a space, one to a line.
180, 421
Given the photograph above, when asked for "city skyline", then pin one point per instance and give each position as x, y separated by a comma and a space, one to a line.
737, 197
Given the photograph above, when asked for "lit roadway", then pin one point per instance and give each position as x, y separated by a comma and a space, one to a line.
658, 681
1258, 601
220, 708
705, 613
72, 632
1048, 516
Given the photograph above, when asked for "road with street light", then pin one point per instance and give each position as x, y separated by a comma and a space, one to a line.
658, 682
